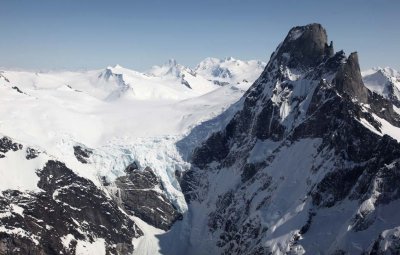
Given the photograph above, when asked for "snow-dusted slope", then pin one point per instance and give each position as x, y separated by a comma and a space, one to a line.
174, 72
385, 82
117, 111
230, 70
99, 123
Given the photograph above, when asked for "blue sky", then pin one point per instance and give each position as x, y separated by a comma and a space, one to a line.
80, 34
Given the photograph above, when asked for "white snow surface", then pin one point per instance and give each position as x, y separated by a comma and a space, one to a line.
385, 129
382, 81
18, 173
230, 70
148, 244
87, 248
122, 114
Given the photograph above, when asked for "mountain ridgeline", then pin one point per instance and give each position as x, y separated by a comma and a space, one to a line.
305, 150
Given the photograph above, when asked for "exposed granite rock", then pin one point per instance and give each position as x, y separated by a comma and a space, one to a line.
3, 77
140, 192
131, 167
18, 90
6, 144
220, 83
305, 47
12, 244
31, 153
217, 148
383, 108
82, 153
185, 82
387, 243
349, 79
68, 205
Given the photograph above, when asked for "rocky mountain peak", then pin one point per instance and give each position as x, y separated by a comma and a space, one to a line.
304, 46
349, 80
169, 68
171, 62
309, 139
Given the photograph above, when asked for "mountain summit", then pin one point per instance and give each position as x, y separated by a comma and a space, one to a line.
309, 145
304, 47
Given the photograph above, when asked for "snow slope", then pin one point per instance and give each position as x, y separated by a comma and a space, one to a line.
230, 70
122, 114
384, 81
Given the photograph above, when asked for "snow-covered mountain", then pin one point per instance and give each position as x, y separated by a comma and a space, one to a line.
385, 82
212, 72
232, 157
112, 131
170, 68
230, 70
308, 164
170, 81
176, 72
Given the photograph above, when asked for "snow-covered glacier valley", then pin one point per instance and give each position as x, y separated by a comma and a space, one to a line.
100, 122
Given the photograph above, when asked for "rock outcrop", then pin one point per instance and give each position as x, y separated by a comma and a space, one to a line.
69, 211
140, 193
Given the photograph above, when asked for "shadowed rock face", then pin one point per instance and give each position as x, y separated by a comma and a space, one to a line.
6, 144
307, 46
82, 153
349, 79
140, 193
306, 95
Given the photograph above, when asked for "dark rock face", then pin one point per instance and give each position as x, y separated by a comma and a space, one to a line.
3, 77
68, 204
6, 144
31, 153
82, 154
70, 209
185, 82
337, 185
383, 108
306, 95
216, 149
349, 79
386, 243
307, 46
140, 193
220, 83
131, 168
18, 90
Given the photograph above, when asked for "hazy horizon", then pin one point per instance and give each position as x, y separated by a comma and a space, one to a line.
76, 35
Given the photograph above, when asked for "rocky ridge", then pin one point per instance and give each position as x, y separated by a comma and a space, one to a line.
306, 142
